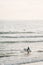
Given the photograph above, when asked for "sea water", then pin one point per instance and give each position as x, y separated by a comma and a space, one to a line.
14, 38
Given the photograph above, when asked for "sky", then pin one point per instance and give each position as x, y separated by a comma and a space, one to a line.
21, 9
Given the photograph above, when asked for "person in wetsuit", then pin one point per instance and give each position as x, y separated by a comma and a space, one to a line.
28, 50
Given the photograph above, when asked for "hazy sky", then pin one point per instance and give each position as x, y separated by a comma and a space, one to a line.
21, 9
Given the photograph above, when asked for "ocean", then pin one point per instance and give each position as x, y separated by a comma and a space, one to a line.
14, 38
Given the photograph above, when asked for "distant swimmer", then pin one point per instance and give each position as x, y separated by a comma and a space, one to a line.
27, 50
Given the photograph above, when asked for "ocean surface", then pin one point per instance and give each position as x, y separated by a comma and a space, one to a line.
14, 40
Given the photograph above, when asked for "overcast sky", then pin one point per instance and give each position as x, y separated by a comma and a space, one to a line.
21, 9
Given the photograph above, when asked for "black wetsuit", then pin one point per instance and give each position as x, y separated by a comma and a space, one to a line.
28, 50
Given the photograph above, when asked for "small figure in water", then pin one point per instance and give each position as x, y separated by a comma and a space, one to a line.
28, 50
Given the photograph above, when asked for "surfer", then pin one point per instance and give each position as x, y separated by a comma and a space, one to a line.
28, 50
